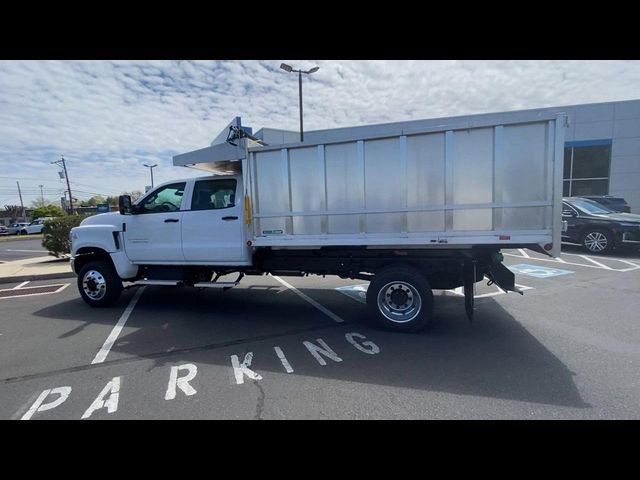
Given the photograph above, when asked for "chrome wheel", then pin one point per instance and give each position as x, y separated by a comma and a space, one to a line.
94, 285
400, 302
596, 241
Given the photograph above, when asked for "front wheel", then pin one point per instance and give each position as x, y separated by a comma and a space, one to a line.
99, 284
400, 299
598, 241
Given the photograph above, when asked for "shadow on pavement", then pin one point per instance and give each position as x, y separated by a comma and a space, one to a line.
493, 357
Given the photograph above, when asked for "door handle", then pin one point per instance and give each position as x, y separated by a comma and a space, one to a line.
171, 220
230, 218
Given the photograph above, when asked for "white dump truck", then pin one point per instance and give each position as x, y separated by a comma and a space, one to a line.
409, 206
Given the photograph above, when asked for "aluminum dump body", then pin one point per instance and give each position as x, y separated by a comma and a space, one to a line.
445, 183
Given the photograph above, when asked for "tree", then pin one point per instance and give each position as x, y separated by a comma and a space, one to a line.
93, 201
14, 211
47, 211
113, 201
39, 203
135, 195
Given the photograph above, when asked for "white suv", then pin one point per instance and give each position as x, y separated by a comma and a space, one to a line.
34, 227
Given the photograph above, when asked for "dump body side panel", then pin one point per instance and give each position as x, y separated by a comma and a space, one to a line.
459, 185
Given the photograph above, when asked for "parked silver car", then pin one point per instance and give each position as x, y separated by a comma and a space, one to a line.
16, 228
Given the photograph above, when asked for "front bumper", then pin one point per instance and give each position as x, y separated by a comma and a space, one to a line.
630, 235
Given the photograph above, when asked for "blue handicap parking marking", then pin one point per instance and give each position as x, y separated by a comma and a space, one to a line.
537, 271
357, 292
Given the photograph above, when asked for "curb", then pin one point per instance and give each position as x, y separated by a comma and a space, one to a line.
31, 278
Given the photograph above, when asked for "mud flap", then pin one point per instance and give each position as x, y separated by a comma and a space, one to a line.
503, 278
469, 278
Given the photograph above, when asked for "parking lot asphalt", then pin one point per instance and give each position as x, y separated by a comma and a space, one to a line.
302, 348
11, 250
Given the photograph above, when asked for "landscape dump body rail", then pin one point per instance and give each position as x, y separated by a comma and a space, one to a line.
452, 183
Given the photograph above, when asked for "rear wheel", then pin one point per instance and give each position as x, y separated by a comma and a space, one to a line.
400, 299
598, 241
99, 284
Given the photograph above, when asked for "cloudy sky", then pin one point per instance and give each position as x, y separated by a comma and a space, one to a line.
108, 118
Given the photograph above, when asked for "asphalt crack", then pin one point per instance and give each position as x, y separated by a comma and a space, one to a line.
260, 401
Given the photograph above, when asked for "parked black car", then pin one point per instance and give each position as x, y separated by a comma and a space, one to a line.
617, 204
597, 228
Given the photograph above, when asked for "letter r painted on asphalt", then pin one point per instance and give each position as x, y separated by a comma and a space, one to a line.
39, 406
181, 382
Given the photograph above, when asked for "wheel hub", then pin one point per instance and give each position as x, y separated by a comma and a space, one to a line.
595, 241
94, 285
400, 302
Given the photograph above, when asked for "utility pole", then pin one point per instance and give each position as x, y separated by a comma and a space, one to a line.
21, 204
41, 196
64, 167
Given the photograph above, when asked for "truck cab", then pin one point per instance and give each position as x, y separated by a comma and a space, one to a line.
197, 221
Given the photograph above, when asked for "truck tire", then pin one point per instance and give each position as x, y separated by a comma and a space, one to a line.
99, 284
597, 240
400, 299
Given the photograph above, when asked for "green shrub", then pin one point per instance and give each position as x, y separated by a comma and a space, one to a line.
47, 211
55, 234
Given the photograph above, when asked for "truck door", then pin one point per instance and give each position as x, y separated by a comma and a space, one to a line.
153, 233
212, 229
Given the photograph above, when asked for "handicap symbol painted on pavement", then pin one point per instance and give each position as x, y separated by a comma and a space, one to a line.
537, 271
357, 292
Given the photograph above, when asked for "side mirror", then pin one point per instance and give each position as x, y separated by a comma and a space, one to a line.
124, 203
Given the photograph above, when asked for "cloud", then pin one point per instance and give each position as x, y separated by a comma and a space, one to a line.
110, 117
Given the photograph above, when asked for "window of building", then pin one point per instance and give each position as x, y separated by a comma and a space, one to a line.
586, 168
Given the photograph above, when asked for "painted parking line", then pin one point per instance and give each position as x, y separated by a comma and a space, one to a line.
606, 267
21, 291
324, 310
27, 251
633, 266
101, 356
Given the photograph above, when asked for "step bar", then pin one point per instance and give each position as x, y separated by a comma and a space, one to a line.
180, 283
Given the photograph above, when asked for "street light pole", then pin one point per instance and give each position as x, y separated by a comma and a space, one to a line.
289, 69
151, 167
300, 91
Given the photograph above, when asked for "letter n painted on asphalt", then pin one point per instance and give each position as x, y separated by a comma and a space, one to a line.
38, 406
181, 382
242, 369
371, 348
113, 390
324, 349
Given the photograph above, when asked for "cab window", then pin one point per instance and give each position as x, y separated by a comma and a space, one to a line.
214, 194
165, 199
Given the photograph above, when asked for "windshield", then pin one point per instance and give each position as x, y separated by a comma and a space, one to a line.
589, 206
